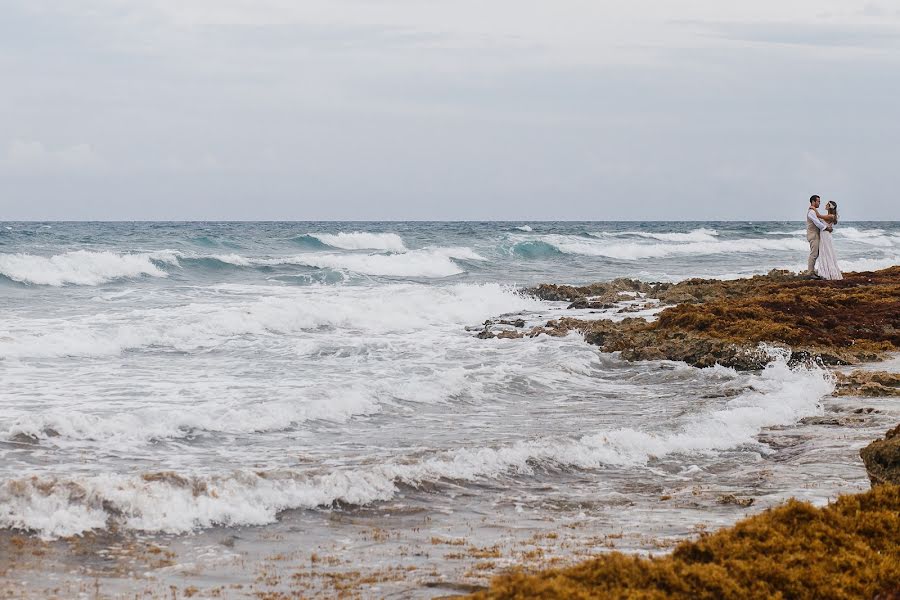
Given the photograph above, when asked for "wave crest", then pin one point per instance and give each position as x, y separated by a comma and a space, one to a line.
427, 262
362, 240
179, 502
82, 267
197, 326
697, 235
569, 244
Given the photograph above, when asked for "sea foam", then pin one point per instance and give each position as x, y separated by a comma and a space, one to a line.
362, 240
276, 312
569, 244
426, 262
81, 267
697, 235
179, 502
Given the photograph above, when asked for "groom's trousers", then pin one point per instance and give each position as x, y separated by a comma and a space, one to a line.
813, 253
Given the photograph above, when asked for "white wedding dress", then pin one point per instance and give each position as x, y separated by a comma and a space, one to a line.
826, 265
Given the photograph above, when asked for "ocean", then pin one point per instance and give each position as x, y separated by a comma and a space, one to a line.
246, 389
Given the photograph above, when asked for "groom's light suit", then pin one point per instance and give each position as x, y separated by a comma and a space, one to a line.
814, 227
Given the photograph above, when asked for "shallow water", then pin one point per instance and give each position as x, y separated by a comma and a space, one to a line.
300, 385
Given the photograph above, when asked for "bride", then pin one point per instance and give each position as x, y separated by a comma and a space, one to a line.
826, 266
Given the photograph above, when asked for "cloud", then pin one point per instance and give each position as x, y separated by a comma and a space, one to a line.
835, 35
34, 157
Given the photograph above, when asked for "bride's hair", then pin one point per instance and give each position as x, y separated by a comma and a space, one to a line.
831, 207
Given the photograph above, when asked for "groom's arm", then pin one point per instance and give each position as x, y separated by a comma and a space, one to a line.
814, 217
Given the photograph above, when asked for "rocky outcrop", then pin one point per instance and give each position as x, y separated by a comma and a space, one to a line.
882, 458
868, 383
725, 322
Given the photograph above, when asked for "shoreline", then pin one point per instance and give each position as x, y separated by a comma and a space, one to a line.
126, 563
736, 324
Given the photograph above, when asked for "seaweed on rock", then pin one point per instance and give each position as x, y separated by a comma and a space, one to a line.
711, 321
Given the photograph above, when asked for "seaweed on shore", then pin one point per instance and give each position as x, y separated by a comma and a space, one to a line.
849, 549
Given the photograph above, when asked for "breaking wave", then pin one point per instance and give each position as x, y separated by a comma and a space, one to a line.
535, 249
361, 240
83, 267
173, 502
197, 326
697, 235
427, 262
569, 244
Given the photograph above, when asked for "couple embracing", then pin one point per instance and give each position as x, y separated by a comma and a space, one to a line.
822, 263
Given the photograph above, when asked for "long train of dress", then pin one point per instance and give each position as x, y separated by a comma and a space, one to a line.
826, 265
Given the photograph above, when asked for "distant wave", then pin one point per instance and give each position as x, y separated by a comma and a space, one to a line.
535, 249
82, 267
171, 502
216, 261
524, 228
204, 241
874, 237
795, 232
89, 268
570, 244
361, 240
697, 235
309, 242
427, 262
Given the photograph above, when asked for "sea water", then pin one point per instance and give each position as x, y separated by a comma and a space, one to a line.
178, 379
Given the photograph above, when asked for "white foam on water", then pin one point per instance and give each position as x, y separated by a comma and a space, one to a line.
176, 503
636, 251
81, 267
271, 313
427, 262
362, 240
173, 418
232, 407
873, 237
233, 259
524, 228
697, 235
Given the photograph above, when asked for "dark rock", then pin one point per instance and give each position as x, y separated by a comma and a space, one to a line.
732, 499
882, 458
868, 383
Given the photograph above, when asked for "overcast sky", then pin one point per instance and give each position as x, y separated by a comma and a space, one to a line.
418, 109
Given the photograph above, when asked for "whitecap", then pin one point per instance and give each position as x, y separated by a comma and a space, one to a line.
697, 235
181, 502
636, 250
362, 240
195, 326
427, 262
80, 267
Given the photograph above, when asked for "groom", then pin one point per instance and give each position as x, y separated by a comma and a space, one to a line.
814, 227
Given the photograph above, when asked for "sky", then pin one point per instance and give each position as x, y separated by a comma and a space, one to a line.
463, 110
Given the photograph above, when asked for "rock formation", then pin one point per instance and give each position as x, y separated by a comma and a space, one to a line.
725, 322
882, 458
